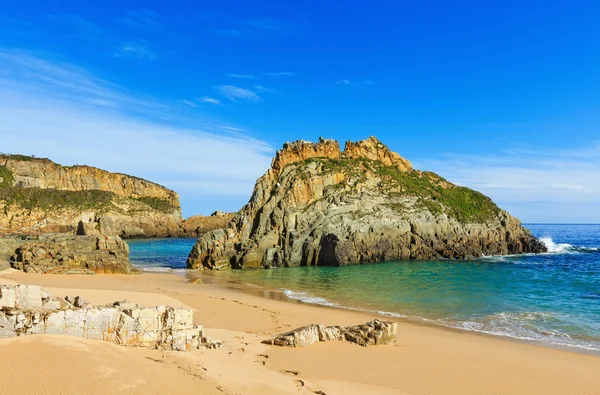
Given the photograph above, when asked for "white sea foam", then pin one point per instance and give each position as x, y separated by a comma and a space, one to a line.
159, 269
307, 298
522, 326
556, 247
565, 248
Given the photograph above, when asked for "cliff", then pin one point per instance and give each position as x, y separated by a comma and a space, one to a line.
39, 196
318, 205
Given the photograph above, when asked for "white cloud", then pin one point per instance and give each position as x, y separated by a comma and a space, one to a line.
235, 93
138, 49
243, 76
190, 103
537, 185
212, 100
356, 83
55, 110
280, 74
141, 19
265, 24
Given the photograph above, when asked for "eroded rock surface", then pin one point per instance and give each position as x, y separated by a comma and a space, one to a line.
29, 310
374, 332
73, 254
318, 205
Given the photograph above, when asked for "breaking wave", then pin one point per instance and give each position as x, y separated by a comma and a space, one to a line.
565, 248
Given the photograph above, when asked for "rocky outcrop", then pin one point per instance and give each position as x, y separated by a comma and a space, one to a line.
73, 254
374, 332
318, 205
197, 225
29, 310
38, 196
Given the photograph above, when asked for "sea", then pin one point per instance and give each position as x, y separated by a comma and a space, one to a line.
553, 298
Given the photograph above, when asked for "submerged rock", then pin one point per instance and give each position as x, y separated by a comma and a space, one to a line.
374, 332
318, 205
28, 310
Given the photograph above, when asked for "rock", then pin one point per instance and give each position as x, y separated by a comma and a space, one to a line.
45, 197
374, 332
196, 280
73, 254
318, 205
27, 310
125, 305
197, 225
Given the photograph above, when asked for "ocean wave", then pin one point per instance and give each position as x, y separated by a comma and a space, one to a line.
527, 326
565, 248
160, 269
307, 298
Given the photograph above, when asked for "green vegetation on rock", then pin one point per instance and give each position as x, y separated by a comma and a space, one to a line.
158, 204
24, 158
31, 198
6, 177
433, 192
44, 199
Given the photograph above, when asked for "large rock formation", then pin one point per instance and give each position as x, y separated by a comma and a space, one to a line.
73, 254
39, 196
30, 310
318, 205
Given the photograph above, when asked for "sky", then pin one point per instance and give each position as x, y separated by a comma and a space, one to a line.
499, 96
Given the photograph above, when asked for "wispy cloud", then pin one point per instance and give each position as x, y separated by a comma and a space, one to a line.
138, 49
54, 109
243, 76
236, 93
211, 100
355, 83
141, 19
526, 180
265, 24
190, 103
64, 81
280, 74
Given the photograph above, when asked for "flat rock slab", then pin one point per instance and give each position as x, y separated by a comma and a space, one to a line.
374, 332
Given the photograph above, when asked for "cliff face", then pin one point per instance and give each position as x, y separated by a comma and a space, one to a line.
318, 205
39, 196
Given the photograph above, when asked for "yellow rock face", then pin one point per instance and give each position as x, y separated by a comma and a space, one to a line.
129, 207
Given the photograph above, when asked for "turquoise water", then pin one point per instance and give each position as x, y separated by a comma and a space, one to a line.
553, 298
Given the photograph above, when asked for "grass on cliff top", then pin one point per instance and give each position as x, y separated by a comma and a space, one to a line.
23, 158
31, 198
45, 199
7, 177
434, 192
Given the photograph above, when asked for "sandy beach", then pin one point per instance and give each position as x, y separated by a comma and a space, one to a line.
424, 360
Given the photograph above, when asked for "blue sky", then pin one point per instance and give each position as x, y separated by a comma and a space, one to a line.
503, 97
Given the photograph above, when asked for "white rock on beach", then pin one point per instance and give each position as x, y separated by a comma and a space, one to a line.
26, 310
